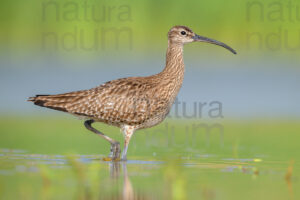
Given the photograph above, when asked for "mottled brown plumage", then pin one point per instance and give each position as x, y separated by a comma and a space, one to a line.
130, 103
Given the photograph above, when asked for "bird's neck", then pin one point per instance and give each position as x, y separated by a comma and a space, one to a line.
171, 77
174, 61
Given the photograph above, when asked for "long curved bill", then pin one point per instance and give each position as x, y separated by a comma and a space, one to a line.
208, 40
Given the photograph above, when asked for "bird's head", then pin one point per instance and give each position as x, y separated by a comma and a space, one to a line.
182, 35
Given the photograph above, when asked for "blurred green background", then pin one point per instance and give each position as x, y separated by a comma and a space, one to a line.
90, 27
50, 47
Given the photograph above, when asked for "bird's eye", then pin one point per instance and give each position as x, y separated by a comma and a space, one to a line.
183, 33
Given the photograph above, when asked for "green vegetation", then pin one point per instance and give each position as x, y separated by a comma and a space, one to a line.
56, 158
103, 26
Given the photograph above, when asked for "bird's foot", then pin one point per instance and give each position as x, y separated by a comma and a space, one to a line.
124, 158
115, 152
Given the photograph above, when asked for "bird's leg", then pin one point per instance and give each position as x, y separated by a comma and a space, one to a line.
115, 149
128, 132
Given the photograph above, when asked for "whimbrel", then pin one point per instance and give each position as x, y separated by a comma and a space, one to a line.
130, 103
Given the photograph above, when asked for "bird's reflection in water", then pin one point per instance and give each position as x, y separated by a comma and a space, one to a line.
118, 170
118, 173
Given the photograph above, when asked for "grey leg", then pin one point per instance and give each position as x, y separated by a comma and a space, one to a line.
115, 149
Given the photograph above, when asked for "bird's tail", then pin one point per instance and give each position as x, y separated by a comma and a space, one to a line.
59, 102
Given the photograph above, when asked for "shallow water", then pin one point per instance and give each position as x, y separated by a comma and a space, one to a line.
40, 176
254, 160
